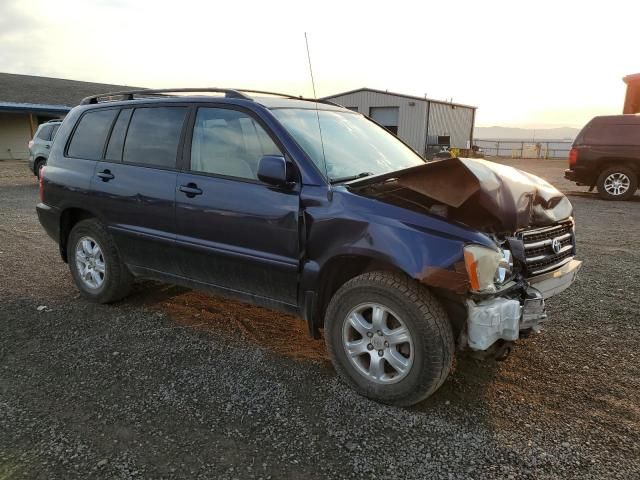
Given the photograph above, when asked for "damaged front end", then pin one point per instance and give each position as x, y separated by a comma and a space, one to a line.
502, 289
529, 267
516, 309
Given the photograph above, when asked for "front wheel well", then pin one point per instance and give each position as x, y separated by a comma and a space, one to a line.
68, 220
338, 271
341, 269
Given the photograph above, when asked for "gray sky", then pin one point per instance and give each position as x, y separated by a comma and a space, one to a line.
532, 64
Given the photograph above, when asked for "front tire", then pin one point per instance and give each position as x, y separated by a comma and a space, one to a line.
389, 338
95, 264
617, 183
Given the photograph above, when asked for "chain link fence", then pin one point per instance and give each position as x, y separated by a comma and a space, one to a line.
524, 149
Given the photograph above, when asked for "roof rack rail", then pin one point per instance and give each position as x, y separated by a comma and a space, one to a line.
328, 102
130, 94
265, 92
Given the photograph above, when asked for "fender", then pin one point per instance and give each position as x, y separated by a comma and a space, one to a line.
343, 226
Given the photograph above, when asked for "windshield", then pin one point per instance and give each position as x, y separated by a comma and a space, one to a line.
353, 145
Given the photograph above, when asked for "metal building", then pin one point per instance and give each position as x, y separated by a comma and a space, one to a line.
425, 124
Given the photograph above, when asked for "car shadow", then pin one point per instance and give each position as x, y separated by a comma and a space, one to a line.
148, 293
287, 336
283, 334
595, 196
467, 384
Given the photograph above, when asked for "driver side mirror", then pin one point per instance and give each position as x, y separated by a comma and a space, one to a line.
276, 170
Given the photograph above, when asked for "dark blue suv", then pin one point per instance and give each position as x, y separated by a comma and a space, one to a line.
309, 208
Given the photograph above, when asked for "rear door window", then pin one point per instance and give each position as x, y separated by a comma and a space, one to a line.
153, 136
91, 134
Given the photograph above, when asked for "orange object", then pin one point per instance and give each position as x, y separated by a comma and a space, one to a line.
472, 270
632, 98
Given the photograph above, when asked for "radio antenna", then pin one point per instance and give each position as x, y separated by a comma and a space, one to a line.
315, 97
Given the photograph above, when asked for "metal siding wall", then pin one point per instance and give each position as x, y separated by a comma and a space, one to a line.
411, 121
456, 122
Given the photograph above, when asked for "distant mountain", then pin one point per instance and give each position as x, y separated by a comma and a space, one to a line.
504, 133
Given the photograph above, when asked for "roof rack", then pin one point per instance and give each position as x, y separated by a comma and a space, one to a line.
150, 92
328, 102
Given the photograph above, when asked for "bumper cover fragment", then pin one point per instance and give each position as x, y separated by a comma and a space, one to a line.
501, 318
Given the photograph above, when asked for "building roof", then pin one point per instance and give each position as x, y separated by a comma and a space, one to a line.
47, 91
423, 99
37, 108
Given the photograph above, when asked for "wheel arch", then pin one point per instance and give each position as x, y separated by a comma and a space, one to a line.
37, 160
612, 162
68, 219
337, 271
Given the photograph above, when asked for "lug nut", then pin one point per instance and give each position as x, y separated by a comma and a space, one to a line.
380, 353
369, 347
379, 333
369, 334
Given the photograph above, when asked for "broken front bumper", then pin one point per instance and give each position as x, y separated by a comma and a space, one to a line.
552, 283
501, 318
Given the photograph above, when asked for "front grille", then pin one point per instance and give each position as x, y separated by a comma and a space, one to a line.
538, 247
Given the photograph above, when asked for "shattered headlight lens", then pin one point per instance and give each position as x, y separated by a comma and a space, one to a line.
486, 268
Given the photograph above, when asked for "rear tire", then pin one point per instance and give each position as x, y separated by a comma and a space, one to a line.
95, 264
411, 370
41, 162
617, 183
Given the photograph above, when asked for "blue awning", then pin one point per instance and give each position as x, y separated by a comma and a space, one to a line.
36, 108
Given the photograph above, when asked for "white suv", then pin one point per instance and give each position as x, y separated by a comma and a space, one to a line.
41, 144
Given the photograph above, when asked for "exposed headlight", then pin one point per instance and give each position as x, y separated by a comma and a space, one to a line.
486, 268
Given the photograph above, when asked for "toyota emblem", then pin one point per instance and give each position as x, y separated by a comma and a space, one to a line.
555, 245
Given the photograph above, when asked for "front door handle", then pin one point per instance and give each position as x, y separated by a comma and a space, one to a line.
105, 175
190, 189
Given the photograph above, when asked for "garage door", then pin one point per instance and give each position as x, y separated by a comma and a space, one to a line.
386, 116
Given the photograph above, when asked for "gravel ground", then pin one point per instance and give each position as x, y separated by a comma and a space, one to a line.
172, 384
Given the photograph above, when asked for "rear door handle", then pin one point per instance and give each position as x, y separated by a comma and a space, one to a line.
47, 146
105, 175
190, 189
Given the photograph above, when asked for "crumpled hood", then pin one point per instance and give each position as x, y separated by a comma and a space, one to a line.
482, 194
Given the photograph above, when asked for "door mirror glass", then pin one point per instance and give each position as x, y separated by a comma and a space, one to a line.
275, 170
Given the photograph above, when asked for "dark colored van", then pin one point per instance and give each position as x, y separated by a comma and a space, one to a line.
310, 208
606, 155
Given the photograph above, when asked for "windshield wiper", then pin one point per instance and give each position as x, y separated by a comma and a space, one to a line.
350, 177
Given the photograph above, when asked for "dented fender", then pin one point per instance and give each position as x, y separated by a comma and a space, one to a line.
342, 224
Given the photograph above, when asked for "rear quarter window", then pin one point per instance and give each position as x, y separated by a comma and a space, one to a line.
91, 134
45, 133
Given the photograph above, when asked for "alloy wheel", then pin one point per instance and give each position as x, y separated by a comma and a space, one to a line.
90, 263
378, 343
617, 184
